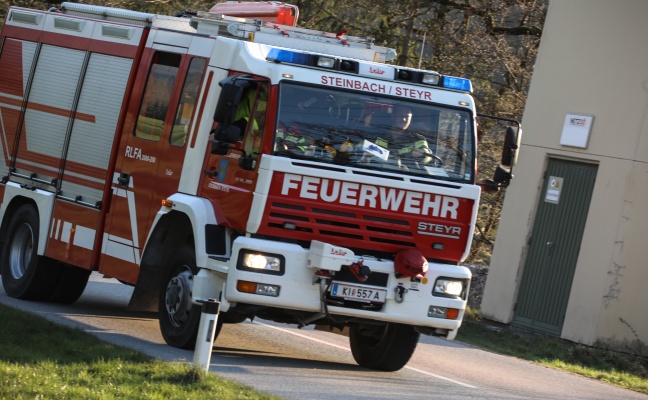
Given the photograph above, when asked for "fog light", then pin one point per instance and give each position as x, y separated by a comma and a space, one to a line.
443, 312
437, 312
267, 290
262, 289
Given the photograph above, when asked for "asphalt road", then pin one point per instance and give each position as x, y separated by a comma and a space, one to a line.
308, 364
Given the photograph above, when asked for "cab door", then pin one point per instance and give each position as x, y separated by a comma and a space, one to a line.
151, 153
229, 180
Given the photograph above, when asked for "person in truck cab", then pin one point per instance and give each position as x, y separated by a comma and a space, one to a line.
407, 148
299, 129
406, 143
289, 138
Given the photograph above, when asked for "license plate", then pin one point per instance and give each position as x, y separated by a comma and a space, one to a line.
358, 293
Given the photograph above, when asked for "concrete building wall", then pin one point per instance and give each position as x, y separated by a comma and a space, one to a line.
593, 60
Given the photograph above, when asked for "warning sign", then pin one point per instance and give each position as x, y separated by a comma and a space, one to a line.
554, 186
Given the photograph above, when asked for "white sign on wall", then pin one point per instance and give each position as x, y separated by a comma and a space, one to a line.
576, 130
554, 186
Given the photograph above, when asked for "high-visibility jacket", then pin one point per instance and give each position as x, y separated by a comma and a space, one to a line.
411, 142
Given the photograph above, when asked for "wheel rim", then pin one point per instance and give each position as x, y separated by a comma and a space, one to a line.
178, 297
20, 250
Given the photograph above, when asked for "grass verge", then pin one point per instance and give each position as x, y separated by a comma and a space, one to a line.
42, 360
626, 370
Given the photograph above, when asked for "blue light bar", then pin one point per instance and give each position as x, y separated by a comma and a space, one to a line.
288, 56
462, 84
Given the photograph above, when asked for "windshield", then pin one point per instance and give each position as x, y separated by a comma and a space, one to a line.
374, 132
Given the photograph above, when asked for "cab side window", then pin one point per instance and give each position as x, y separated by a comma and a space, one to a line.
157, 95
188, 100
254, 129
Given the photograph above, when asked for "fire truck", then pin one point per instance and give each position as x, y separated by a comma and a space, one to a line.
234, 156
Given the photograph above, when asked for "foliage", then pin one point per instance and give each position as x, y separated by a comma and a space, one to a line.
492, 42
80, 366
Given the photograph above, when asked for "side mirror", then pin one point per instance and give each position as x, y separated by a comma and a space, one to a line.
231, 95
230, 98
511, 146
504, 171
223, 136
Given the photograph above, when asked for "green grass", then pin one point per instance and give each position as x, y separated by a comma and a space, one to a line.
622, 369
42, 360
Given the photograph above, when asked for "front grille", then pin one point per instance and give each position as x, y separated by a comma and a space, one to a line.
356, 229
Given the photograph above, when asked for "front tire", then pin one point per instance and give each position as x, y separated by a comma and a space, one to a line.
179, 317
25, 274
386, 347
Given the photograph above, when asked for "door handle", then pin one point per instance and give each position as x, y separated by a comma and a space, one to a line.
550, 248
123, 179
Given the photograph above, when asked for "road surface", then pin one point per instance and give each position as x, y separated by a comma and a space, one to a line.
308, 364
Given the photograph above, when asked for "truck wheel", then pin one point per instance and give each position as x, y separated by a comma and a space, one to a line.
179, 317
71, 284
387, 348
25, 274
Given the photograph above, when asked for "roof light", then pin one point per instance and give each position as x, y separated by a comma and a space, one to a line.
286, 56
462, 84
325, 62
346, 65
404, 75
408, 75
430, 79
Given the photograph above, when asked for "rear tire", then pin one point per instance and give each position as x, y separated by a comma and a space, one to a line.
383, 347
179, 317
25, 274
71, 284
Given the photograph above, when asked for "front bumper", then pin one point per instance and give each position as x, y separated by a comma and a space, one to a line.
407, 301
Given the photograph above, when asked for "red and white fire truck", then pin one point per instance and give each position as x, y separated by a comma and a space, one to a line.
210, 156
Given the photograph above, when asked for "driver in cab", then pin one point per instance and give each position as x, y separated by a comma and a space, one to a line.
406, 147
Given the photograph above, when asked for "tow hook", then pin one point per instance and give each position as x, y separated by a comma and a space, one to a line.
400, 293
360, 271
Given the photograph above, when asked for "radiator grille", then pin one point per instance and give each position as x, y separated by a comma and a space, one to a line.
361, 227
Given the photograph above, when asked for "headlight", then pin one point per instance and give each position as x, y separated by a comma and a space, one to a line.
261, 262
448, 287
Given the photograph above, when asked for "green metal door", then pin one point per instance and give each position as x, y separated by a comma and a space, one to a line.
554, 245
